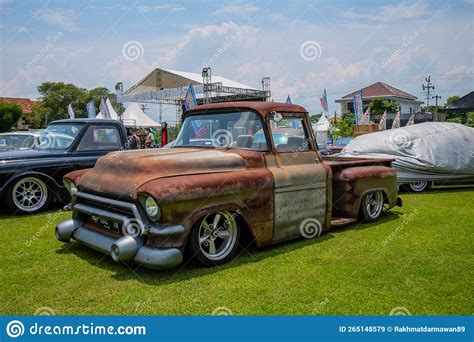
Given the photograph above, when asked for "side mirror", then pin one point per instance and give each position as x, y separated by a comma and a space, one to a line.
276, 116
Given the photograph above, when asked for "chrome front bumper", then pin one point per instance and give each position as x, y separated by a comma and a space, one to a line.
125, 248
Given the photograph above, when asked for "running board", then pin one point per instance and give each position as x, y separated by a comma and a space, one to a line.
342, 221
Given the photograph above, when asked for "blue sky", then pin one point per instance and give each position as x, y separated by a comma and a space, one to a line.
304, 46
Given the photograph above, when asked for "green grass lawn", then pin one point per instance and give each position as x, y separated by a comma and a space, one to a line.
419, 257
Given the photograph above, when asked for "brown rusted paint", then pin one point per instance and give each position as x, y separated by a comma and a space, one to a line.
189, 183
350, 184
264, 108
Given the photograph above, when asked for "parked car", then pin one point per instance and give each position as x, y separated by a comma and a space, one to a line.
339, 144
229, 174
31, 179
18, 140
429, 154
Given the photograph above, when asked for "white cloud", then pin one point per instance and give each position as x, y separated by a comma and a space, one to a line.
238, 9
163, 8
390, 13
64, 18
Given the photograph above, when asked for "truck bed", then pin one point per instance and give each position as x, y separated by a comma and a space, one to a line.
345, 162
351, 177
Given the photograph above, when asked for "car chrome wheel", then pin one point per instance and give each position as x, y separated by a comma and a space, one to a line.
418, 186
218, 235
30, 194
374, 204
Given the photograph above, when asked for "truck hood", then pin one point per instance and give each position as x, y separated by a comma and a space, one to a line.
120, 174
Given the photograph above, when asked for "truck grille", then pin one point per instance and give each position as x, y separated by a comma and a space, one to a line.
107, 214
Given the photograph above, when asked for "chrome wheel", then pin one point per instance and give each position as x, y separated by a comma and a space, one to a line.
30, 194
218, 235
418, 186
374, 204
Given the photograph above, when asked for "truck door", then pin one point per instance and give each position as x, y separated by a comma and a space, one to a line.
300, 194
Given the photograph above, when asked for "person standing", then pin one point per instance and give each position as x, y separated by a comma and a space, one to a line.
150, 139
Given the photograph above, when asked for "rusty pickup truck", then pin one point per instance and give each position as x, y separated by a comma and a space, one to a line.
236, 169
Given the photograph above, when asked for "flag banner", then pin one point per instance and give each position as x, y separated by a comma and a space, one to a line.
367, 116
70, 111
90, 107
358, 107
257, 328
104, 109
288, 100
383, 122
324, 102
411, 121
396, 121
190, 98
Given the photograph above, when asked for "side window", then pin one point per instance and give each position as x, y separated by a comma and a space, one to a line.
288, 134
100, 138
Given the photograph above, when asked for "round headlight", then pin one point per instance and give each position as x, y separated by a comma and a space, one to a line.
151, 207
72, 189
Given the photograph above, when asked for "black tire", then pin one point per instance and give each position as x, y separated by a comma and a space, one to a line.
371, 206
28, 195
419, 186
216, 249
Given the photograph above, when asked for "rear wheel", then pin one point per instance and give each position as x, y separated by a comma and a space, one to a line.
28, 195
372, 206
214, 239
419, 186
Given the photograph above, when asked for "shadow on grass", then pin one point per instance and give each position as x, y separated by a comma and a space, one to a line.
250, 254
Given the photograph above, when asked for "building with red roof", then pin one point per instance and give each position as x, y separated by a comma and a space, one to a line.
407, 103
26, 106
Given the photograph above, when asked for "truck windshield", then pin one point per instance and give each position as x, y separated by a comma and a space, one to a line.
58, 136
223, 130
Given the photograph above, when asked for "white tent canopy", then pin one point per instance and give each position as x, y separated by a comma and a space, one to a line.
323, 124
321, 128
134, 117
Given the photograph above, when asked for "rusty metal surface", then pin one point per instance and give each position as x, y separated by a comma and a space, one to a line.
271, 192
300, 192
264, 108
119, 174
351, 184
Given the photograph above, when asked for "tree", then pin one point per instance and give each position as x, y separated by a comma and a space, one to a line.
450, 100
379, 105
56, 96
345, 126
315, 117
10, 113
38, 115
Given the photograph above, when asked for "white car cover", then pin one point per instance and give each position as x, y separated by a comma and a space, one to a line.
425, 151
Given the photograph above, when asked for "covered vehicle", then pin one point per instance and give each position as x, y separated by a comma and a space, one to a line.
339, 144
424, 154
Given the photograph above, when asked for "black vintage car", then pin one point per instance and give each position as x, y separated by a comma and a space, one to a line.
31, 179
